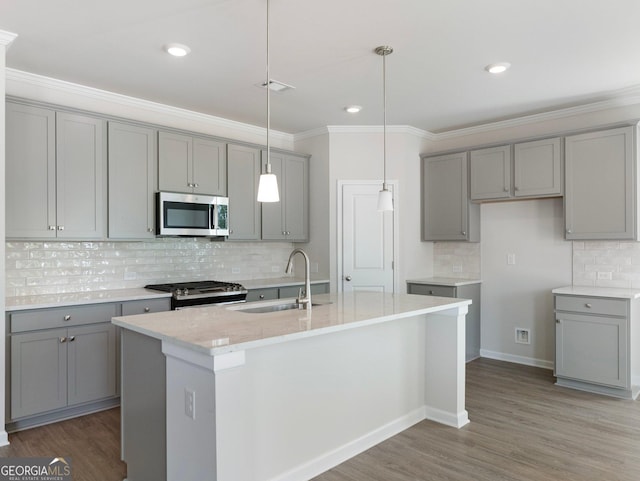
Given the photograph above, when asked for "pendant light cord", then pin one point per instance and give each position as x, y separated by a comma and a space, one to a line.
384, 127
268, 167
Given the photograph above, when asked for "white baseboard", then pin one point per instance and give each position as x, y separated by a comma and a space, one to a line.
4, 438
341, 454
447, 418
527, 361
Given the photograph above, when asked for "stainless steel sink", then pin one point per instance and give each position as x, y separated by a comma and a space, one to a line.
263, 307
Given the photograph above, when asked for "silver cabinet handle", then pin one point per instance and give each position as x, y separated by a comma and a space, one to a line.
464, 232
569, 231
261, 296
67, 317
557, 321
587, 305
147, 309
347, 278
52, 227
149, 229
63, 340
430, 293
72, 338
60, 227
230, 231
516, 188
195, 185
506, 189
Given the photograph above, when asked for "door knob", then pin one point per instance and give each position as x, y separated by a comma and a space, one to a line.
347, 278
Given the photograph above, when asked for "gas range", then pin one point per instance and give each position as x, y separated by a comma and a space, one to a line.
198, 293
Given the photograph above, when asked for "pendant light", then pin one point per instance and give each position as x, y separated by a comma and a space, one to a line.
385, 198
268, 185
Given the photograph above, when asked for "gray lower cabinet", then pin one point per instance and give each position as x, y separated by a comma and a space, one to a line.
55, 174
267, 293
447, 213
64, 361
243, 174
595, 341
289, 218
62, 357
132, 179
601, 185
191, 164
465, 291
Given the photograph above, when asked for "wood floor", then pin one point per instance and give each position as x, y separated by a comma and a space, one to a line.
523, 428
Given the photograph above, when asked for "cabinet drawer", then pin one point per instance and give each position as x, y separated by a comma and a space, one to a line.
432, 290
592, 305
61, 317
262, 294
145, 306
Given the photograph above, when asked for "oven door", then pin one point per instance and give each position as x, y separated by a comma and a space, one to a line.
185, 214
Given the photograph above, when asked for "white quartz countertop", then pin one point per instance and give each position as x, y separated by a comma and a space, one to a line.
444, 281
79, 298
219, 329
598, 292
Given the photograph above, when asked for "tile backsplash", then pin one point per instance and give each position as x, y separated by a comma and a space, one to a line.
606, 264
54, 267
456, 259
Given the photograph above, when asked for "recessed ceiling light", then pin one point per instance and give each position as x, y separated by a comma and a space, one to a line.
353, 109
177, 50
497, 67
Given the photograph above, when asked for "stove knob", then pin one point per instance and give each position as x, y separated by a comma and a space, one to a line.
186, 292
178, 292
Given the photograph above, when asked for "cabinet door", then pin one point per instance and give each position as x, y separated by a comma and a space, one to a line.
80, 176
209, 171
146, 306
132, 180
446, 211
490, 172
175, 155
30, 172
243, 173
38, 372
537, 168
592, 348
295, 185
262, 294
91, 363
600, 188
273, 213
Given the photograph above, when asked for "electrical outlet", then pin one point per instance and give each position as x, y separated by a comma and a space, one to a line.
314, 267
523, 336
604, 276
456, 268
511, 259
190, 403
235, 270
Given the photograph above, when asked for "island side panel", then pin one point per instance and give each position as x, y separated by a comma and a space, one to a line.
299, 408
143, 407
445, 367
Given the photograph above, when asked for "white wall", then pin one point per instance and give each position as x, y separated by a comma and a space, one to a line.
357, 155
520, 295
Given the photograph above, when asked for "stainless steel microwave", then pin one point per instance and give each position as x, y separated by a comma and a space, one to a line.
192, 215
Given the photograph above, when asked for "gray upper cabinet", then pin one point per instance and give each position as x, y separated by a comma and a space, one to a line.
288, 219
490, 172
601, 197
243, 174
56, 174
537, 168
191, 164
447, 214
132, 181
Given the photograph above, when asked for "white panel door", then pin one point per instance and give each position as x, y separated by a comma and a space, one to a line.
367, 240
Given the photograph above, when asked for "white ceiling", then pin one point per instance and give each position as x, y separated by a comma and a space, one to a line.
563, 53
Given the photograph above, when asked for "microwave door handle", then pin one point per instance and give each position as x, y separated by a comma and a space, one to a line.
214, 217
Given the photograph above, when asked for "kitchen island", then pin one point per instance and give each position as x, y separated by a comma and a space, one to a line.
216, 393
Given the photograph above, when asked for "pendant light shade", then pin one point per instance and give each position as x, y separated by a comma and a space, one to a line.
385, 197
268, 185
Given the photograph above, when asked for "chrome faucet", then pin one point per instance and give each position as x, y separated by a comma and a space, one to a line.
304, 302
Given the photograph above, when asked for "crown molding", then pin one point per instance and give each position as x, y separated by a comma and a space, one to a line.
63, 86
364, 129
6, 38
619, 98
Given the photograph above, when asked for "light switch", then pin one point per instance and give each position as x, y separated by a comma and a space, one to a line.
511, 259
